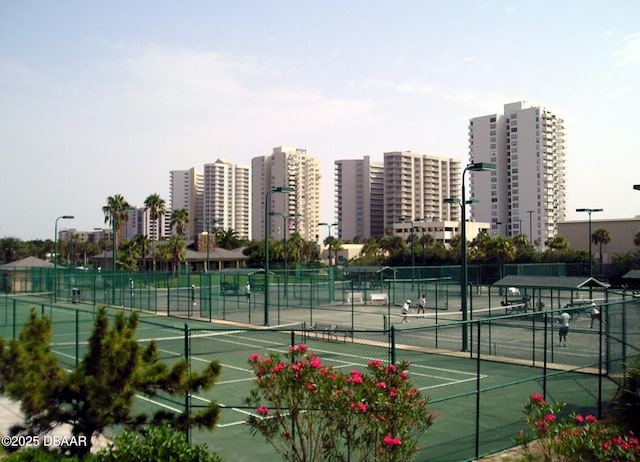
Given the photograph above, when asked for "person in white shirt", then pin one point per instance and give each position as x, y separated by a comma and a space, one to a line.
563, 320
595, 314
406, 308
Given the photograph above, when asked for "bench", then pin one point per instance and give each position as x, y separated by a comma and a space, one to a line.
332, 331
511, 307
378, 298
355, 297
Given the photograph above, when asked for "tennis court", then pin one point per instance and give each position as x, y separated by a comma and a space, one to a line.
479, 392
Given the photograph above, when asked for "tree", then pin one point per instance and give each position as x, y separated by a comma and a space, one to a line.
100, 392
311, 412
180, 219
557, 243
601, 237
227, 239
333, 245
128, 255
116, 214
636, 239
156, 207
142, 243
10, 249
176, 251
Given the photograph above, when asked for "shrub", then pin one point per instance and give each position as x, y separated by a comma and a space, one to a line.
308, 411
155, 444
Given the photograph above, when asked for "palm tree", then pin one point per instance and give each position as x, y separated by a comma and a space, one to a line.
227, 239
128, 255
601, 237
180, 219
143, 243
156, 207
176, 250
116, 214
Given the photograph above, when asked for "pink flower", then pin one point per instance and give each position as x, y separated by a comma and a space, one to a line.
363, 407
538, 399
549, 418
302, 348
375, 363
590, 419
262, 410
278, 367
579, 419
254, 357
315, 362
381, 385
390, 441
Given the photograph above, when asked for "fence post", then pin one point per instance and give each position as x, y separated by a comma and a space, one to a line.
477, 394
187, 396
392, 345
77, 336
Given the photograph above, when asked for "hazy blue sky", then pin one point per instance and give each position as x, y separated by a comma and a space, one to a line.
103, 98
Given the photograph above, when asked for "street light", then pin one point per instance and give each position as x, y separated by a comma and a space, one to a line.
285, 220
207, 224
413, 255
474, 167
267, 195
55, 253
329, 226
589, 211
530, 212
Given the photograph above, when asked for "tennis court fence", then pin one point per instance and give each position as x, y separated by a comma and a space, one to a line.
496, 360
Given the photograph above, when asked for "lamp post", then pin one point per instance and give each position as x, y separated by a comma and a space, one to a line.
267, 195
413, 254
207, 223
590, 211
473, 167
329, 226
55, 253
285, 220
530, 212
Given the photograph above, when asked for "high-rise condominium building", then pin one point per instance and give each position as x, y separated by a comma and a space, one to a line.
415, 186
185, 190
359, 186
298, 210
526, 192
227, 198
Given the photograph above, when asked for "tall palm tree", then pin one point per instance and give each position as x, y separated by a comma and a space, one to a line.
180, 219
116, 214
156, 207
601, 237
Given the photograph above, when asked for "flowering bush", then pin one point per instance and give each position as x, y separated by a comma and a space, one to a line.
576, 437
308, 411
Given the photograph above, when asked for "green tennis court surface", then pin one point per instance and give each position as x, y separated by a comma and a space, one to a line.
479, 393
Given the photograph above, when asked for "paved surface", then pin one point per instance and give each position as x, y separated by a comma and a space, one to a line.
9, 415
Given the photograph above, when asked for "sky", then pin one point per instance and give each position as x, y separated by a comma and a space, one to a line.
104, 98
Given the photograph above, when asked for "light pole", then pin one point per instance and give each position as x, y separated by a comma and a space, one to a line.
207, 223
55, 253
329, 226
413, 254
530, 212
474, 167
267, 195
590, 211
285, 222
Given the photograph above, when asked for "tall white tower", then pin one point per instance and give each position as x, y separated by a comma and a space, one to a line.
293, 168
526, 192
